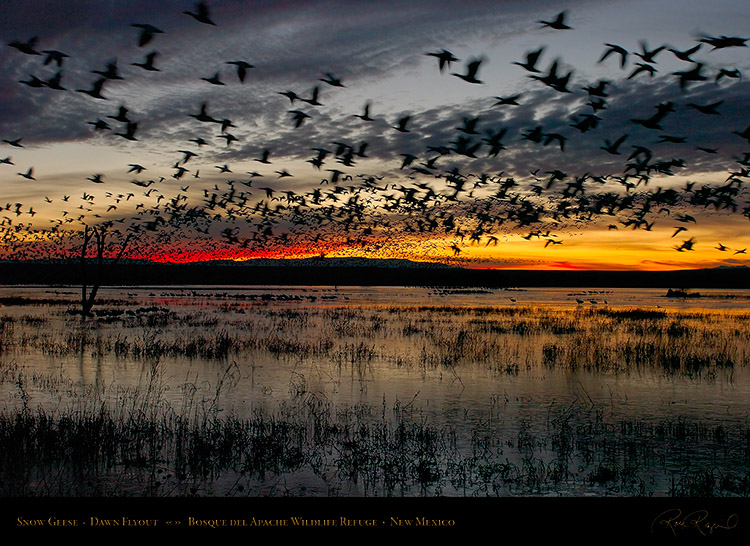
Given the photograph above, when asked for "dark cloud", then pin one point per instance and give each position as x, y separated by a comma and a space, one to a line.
378, 50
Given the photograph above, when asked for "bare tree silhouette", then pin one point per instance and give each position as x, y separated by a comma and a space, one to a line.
102, 271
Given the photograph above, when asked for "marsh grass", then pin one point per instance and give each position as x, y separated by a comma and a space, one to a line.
502, 338
65, 437
119, 441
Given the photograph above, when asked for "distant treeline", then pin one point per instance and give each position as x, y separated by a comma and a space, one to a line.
143, 273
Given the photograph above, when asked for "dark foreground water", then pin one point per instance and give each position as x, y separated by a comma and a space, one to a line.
481, 392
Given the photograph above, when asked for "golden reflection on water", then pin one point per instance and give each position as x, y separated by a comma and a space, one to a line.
515, 364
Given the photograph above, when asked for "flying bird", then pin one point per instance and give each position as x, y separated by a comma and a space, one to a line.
99, 125
129, 132
685, 55
721, 42
472, 68
96, 89
16, 143
613, 147
291, 95
401, 124
619, 50
147, 33
264, 157
148, 63
558, 23
110, 72
27, 46
54, 56
686, 245
203, 116
201, 14
531, 59
508, 101
643, 67
215, 80
299, 117
444, 57
648, 55
242, 68
709, 109
332, 80
55, 81
28, 174
365, 115
692, 75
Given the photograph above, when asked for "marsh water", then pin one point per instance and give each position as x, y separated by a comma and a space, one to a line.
528, 391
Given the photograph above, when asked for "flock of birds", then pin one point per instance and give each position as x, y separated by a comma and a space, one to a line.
414, 205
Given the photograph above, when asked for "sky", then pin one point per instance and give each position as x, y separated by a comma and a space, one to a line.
599, 165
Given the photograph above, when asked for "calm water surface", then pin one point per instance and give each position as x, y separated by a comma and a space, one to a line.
442, 393
509, 391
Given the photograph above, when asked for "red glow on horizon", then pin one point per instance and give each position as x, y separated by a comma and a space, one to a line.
235, 254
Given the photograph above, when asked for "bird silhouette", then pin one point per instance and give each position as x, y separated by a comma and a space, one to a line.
299, 117
709, 109
619, 50
28, 174
685, 55
215, 80
508, 101
472, 68
122, 115
613, 147
26, 47
242, 68
96, 89
648, 55
33, 81
54, 56
110, 72
558, 23
728, 73
203, 116
291, 95
643, 67
721, 42
365, 115
444, 57
686, 245
331, 80
401, 124
313, 100
692, 75
264, 157
129, 132
532, 58
99, 125
553, 80
147, 33
201, 14
55, 81
148, 63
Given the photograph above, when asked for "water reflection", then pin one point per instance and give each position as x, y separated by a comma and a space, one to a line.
516, 363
